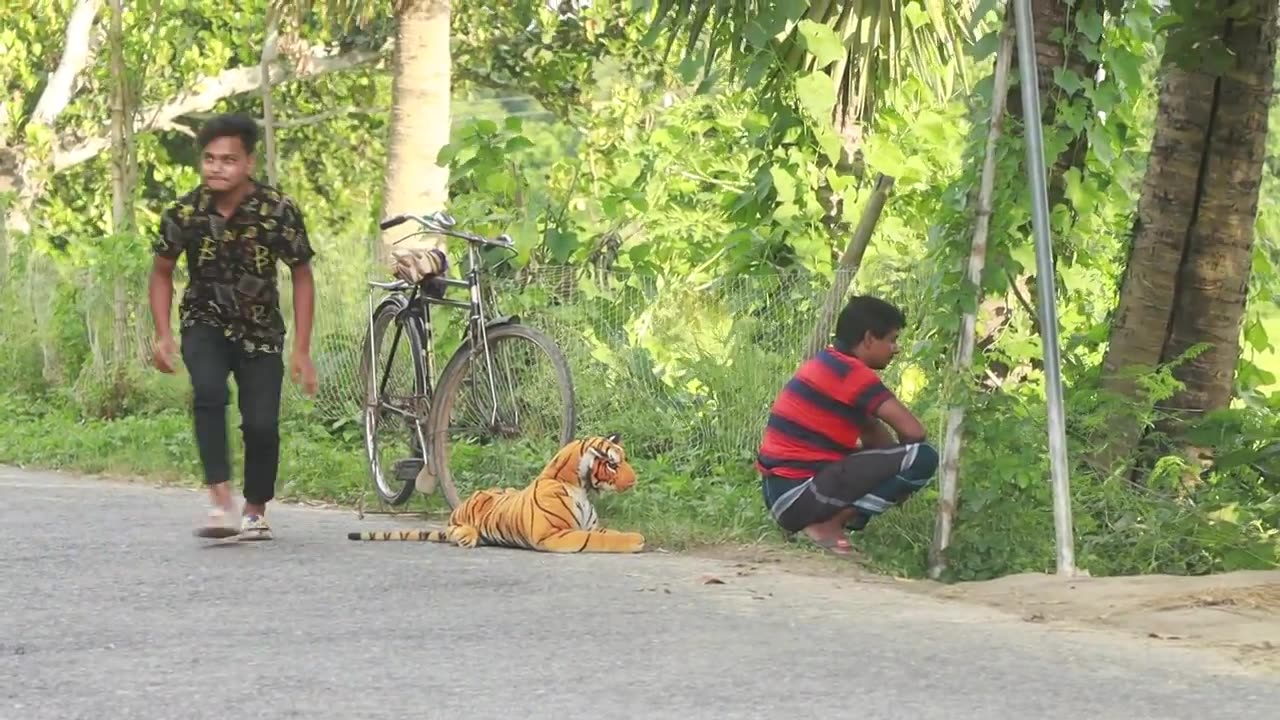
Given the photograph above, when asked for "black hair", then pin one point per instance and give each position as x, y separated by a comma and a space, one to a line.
864, 314
229, 125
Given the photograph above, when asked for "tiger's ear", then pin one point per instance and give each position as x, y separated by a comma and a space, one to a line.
615, 438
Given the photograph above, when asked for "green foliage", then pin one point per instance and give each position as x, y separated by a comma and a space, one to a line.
527, 48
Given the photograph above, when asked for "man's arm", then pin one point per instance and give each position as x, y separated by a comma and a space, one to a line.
304, 303
295, 249
899, 418
160, 293
166, 248
876, 435
872, 402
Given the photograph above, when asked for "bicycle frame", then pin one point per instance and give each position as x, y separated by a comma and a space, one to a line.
416, 308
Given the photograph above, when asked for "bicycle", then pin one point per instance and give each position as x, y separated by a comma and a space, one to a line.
408, 306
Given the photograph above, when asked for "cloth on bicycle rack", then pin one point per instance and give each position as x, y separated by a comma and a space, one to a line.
417, 264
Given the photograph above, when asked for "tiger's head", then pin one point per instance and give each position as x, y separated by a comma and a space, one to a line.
594, 463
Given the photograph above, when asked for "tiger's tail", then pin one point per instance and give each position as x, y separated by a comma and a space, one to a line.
406, 535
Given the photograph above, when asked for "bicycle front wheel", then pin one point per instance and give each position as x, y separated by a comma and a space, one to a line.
396, 399
499, 416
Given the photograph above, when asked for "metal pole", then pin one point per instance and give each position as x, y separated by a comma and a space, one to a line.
1027, 79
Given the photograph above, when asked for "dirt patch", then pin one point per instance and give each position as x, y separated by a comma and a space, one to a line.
798, 559
1237, 612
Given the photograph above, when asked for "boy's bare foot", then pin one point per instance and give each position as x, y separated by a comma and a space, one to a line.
837, 544
829, 536
829, 533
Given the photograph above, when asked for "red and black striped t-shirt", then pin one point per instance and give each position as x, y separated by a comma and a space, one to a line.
817, 418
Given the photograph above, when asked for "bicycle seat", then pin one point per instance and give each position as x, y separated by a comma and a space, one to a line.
396, 284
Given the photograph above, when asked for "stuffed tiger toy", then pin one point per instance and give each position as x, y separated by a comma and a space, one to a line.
551, 514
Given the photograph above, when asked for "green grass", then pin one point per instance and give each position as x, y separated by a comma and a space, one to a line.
674, 511
1003, 526
703, 495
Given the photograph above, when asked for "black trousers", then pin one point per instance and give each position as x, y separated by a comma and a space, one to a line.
210, 358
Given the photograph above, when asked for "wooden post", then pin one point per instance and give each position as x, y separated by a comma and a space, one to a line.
850, 261
948, 484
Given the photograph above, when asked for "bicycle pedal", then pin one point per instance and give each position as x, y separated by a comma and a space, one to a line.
407, 470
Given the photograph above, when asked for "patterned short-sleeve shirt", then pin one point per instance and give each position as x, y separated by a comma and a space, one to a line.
231, 262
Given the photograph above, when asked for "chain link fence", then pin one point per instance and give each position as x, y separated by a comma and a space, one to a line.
661, 359
653, 357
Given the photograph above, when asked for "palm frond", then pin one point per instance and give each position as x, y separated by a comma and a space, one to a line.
771, 41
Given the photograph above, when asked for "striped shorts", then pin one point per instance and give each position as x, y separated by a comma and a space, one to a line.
870, 480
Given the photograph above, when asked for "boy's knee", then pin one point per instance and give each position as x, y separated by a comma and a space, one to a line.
209, 392
260, 430
922, 463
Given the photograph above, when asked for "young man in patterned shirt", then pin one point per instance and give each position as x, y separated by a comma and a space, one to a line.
827, 461
233, 229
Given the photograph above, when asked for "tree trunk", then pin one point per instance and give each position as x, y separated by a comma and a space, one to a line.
1187, 276
420, 119
270, 52
122, 218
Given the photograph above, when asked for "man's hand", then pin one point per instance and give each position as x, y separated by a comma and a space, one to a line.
160, 295
303, 372
164, 353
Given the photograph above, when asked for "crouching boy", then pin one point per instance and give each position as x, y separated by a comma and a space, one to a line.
826, 459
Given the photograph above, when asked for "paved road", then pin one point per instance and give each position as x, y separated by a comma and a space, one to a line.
113, 610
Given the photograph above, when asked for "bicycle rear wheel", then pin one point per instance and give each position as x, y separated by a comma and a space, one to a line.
394, 407
475, 427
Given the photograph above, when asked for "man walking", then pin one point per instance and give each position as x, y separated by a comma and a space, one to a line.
233, 229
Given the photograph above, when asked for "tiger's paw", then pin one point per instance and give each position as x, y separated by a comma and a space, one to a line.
634, 542
464, 536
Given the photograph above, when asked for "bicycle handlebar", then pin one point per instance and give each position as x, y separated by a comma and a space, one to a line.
442, 222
